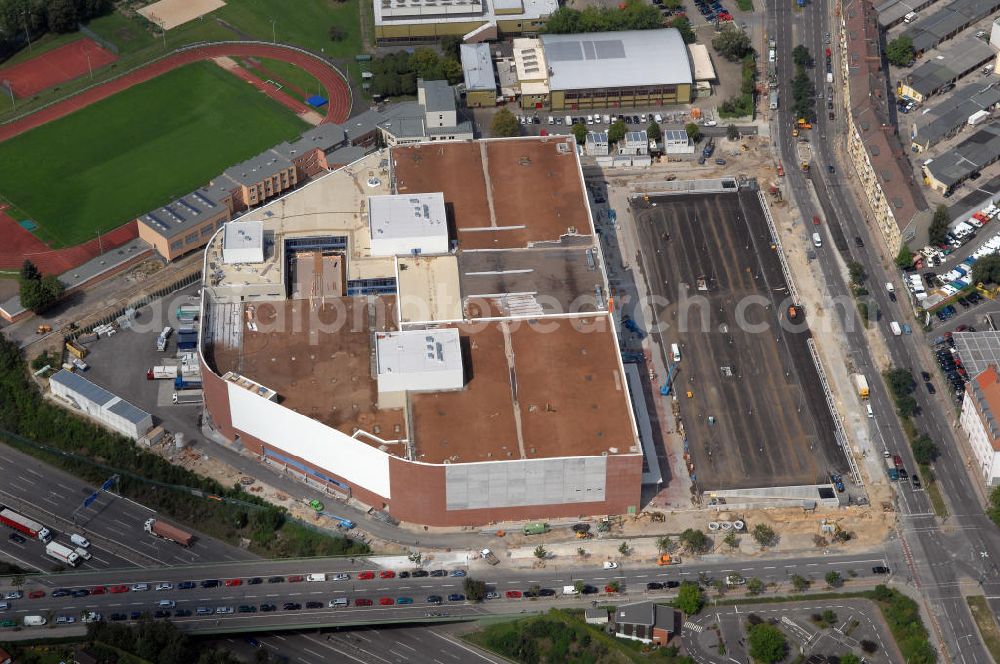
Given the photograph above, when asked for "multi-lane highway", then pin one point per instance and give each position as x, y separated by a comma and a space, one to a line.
113, 524
935, 558
254, 585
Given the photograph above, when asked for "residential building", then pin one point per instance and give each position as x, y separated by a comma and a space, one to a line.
964, 107
646, 622
257, 180
432, 117
945, 172
596, 616
478, 74
416, 21
597, 144
635, 143
183, 225
604, 70
940, 74
979, 420
677, 141
110, 410
898, 208
951, 19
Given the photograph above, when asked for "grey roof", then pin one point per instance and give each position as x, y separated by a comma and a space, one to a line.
891, 12
98, 265
255, 169
629, 58
477, 67
595, 613
638, 613
679, 135
407, 120
97, 394
948, 116
971, 155
175, 218
978, 350
945, 23
325, 137
944, 68
597, 137
633, 137
438, 96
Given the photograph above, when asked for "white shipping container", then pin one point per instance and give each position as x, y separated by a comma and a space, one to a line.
978, 117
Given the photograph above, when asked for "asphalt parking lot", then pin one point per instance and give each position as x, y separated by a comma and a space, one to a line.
752, 403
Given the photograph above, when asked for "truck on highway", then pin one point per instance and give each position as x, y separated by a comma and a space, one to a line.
896, 329
166, 531
62, 553
30, 527
803, 151
489, 557
773, 105
186, 383
890, 469
861, 383
536, 528
188, 397
157, 373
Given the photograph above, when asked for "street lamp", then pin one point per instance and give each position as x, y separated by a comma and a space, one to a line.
27, 33
274, 38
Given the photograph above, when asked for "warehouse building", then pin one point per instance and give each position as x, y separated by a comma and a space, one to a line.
964, 107
947, 22
416, 21
478, 74
110, 410
604, 70
893, 12
979, 420
941, 74
971, 156
477, 385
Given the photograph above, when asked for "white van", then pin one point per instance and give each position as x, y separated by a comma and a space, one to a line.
868, 407
167, 604
570, 590
675, 352
83, 553
34, 621
338, 602
910, 17
817, 240
316, 577
79, 540
569, 120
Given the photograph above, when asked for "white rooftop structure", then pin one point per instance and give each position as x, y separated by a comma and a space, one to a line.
477, 67
408, 224
109, 409
243, 242
701, 62
419, 360
393, 12
628, 58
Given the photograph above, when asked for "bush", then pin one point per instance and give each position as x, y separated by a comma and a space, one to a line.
900, 51
505, 124
764, 535
901, 385
689, 598
693, 540
475, 589
903, 616
767, 643
732, 43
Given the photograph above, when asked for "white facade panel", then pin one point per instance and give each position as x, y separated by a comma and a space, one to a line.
525, 482
310, 440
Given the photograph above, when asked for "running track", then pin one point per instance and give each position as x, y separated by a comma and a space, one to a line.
338, 108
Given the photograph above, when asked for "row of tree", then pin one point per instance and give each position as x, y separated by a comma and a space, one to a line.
634, 15
396, 74
38, 293
734, 45
803, 88
21, 20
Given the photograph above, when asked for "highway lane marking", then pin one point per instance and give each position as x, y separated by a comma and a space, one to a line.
400, 643
314, 653
35, 473
31, 482
455, 643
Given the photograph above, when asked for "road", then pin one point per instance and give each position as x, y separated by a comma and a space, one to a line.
970, 543
113, 524
632, 580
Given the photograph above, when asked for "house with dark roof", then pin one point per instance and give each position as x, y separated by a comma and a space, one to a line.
945, 172
646, 622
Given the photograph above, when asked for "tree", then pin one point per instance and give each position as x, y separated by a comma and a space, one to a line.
732, 540
901, 384
38, 293
615, 586
801, 57
336, 33
857, 273
624, 549
451, 46
732, 133
61, 16
693, 540
924, 449
850, 658
755, 586
689, 598
580, 132
986, 270
868, 646
900, 51
904, 259
800, 583
665, 544
582, 552
693, 132
939, 225
29, 272
579, 586
475, 589
834, 580
653, 132
616, 132
505, 124
767, 643
415, 557
683, 26
764, 535
540, 552
732, 43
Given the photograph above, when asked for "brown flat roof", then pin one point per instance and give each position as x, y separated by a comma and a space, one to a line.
571, 398
533, 192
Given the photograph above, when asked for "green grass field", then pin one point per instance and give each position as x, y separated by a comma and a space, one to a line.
110, 162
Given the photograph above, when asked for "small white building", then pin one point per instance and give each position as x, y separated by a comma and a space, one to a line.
419, 360
597, 144
676, 141
403, 224
110, 410
243, 242
635, 143
980, 413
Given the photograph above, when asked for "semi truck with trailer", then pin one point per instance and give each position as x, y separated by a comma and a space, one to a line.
187, 397
861, 383
166, 531
21, 523
186, 383
62, 553
160, 372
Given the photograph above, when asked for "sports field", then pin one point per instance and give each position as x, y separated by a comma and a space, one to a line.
104, 165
